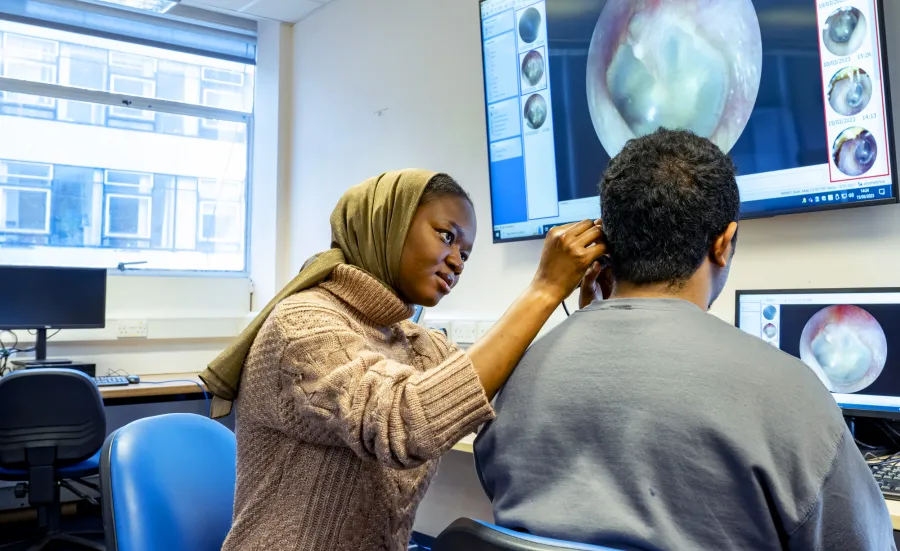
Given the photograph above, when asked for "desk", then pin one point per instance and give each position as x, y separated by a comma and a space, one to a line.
154, 386
466, 446
894, 508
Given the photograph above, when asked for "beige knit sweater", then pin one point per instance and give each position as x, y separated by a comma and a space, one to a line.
343, 410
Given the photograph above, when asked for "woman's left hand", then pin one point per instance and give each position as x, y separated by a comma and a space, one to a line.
597, 283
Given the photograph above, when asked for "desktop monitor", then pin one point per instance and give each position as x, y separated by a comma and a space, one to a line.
846, 336
38, 298
796, 91
417, 314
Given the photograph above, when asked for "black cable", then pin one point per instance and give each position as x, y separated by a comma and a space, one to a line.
565, 308
3, 346
15, 350
885, 426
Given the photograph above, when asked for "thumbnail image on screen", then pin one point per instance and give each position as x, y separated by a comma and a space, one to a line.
793, 90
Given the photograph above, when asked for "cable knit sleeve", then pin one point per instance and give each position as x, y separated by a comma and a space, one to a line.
340, 390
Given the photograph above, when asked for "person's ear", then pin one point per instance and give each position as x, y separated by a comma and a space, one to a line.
720, 253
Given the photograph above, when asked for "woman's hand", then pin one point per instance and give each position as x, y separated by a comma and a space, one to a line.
597, 283
568, 252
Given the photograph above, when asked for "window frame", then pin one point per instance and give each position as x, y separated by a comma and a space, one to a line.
6, 47
201, 203
40, 102
143, 234
5, 174
46, 190
204, 78
144, 70
118, 112
201, 112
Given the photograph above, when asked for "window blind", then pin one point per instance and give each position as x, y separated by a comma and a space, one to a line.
183, 29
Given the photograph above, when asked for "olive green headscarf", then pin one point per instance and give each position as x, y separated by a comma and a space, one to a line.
368, 230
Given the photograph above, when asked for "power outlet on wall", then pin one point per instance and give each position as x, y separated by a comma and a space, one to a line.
132, 329
438, 325
465, 332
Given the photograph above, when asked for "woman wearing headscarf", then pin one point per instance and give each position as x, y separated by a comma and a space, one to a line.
344, 405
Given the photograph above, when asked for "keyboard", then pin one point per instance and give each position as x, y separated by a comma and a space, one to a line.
111, 381
887, 475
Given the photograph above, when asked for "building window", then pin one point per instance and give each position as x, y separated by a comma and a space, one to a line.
223, 76
132, 86
87, 178
132, 64
25, 198
220, 211
220, 222
24, 210
32, 59
127, 216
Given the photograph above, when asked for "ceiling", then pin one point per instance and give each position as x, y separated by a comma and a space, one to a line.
287, 11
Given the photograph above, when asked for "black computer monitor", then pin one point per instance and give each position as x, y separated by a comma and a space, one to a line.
41, 298
846, 336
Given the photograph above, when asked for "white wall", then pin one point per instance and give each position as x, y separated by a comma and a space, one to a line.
418, 63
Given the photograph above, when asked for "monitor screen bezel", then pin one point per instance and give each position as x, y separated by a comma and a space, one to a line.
25, 327
889, 118
848, 411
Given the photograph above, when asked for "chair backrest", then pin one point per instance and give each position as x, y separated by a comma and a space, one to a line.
473, 535
168, 484
49, 418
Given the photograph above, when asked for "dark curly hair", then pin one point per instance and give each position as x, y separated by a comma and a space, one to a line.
664, 199
442, 185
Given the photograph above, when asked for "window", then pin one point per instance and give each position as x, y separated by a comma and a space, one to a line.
89, 181
29, 47
26, 173
220, 222
32, 59
220, 212
127, 216
25, 197
89, 62
130, 63
222, 99
223, 76
24, 210
131, 86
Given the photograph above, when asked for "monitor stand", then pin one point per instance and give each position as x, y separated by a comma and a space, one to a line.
40, 353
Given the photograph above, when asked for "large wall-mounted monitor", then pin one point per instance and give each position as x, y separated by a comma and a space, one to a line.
796, 91
845, 336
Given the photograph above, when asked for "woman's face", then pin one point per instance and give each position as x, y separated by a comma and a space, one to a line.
438, 244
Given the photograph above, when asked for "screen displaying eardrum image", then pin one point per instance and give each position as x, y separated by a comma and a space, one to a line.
794, 90
846, 337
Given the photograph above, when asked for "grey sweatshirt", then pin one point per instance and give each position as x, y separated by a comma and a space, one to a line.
652, 425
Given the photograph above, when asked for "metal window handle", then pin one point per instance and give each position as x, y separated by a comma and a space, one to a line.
124, 265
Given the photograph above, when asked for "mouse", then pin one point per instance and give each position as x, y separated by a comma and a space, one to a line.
133, 379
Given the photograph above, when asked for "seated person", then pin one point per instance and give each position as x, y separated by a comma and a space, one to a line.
644, 423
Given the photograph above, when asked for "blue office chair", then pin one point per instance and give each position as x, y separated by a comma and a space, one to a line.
473, 535
168, 484
52, 425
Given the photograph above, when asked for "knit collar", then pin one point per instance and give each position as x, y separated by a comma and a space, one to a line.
367, 295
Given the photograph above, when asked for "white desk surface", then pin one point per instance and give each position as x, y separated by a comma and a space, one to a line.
156, 385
